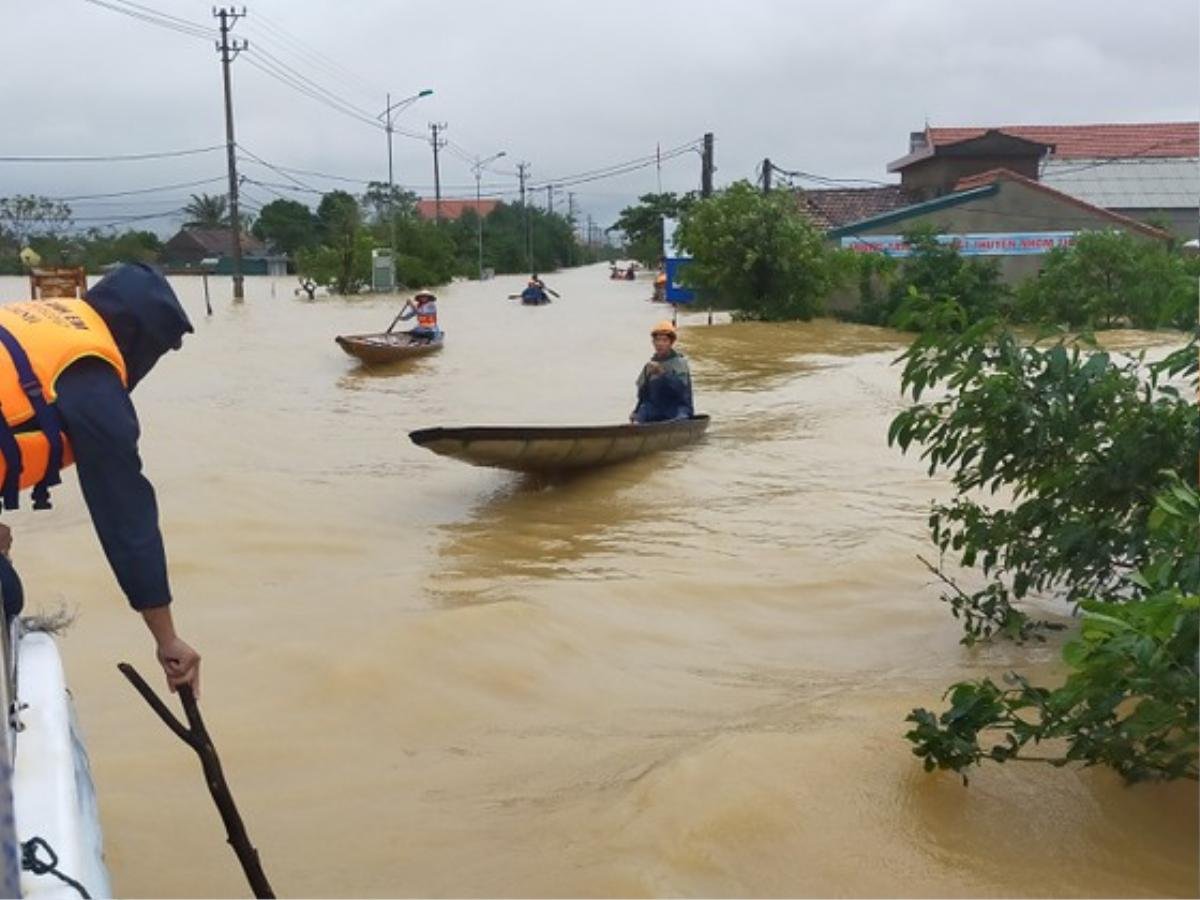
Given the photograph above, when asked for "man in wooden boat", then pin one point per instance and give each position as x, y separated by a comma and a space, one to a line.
664, 386
423, 306
66, 369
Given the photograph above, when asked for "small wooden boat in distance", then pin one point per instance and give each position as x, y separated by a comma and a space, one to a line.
388, 346
557, 449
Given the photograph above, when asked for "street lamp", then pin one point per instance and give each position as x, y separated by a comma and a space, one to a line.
478, 167
386, 118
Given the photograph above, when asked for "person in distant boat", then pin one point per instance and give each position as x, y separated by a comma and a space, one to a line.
423, 306
660, 288
664, 386
534, 291
69, 367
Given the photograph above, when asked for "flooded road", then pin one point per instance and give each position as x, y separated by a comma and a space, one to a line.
683, 676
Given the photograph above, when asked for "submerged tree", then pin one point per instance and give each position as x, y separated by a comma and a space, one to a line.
758, 253
1099, 454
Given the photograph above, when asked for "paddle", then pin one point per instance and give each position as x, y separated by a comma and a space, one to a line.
396, 320
196, 737
551, 292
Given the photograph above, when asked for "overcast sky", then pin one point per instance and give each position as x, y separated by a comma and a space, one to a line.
831, 88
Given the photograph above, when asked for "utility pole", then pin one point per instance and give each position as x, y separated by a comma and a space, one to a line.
706, 166
571, 219
229, 52
438, 144
550, 199
522, 173
766, 175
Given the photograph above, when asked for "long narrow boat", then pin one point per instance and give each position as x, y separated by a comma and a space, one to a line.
557, 449
388, 346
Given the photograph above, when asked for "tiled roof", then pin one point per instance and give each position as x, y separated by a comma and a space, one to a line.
994, 175
218, 241
832, 207
452, 209
1113, 141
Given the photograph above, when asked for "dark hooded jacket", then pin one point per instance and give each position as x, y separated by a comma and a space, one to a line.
146, 320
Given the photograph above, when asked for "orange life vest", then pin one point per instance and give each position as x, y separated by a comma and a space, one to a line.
39, 340
427, 315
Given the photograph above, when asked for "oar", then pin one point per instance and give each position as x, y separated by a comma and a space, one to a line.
551, 292
396, 320
197, 738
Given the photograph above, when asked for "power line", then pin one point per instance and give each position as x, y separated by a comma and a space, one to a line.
296, 85
301, 77
127, 157
327, 62
162, 20
149, 190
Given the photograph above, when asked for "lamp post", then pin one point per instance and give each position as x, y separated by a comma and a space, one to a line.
478, 167
386, 118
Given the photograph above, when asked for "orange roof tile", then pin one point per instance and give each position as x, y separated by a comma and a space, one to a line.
1111, 141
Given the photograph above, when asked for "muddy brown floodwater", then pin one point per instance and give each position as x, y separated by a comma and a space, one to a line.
684, 676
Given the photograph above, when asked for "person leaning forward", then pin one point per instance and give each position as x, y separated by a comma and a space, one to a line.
66, 371
664, 386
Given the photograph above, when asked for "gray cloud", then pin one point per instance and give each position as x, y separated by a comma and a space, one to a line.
828, 87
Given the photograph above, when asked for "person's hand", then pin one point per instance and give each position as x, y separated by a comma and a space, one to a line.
5, 539
654, 368
180, 663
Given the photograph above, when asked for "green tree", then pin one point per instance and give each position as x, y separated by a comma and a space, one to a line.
936, 273
758, 253
382, 201
207, 211
286, 225
1130, 700
642, 224
23, 216
1112, 278
1091, 448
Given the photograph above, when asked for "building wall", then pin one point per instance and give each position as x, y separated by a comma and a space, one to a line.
1012, 208
1183, 223
937, 175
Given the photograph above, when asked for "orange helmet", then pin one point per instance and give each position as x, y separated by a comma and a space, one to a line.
664, 327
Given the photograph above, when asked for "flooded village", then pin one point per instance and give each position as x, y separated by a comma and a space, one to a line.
610, 515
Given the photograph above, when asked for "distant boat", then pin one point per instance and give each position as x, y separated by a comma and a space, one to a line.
534, 296
558, 449
387, 346
45, 778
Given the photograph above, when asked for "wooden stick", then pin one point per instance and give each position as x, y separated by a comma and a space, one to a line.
196, 737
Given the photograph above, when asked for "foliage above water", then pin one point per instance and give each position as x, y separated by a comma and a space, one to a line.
758, 253
642, 224
1096, 454
1130, 701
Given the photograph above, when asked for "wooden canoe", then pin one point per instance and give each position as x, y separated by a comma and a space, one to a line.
557, 449
387, 347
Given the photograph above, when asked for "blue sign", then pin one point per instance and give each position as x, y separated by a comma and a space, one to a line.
676, 293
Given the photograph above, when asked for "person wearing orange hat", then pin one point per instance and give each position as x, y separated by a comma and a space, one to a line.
664, 386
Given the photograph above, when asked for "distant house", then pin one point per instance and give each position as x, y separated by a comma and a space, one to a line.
1148, 171
453, 209
188, 250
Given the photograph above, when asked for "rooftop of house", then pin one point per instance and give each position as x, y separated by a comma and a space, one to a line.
453, 209
833, 207
1107, 141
